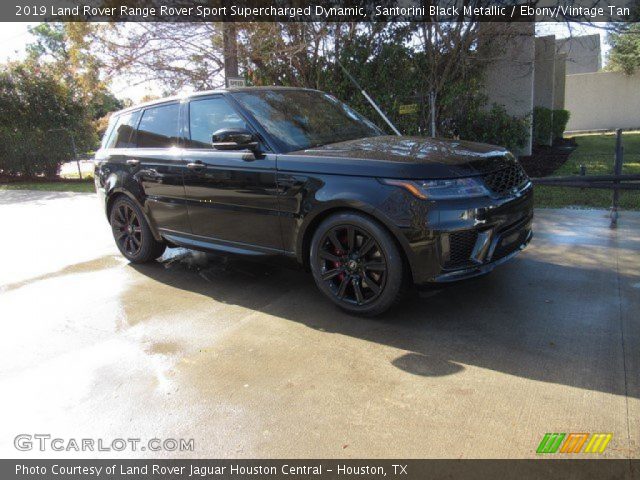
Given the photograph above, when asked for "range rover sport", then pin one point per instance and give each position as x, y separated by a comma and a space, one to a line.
295, 172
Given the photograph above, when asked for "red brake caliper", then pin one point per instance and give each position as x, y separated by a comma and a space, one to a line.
339, 253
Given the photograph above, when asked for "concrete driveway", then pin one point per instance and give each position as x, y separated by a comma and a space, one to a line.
250, 361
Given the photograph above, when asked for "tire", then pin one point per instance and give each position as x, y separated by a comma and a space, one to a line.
355, 262
132, 232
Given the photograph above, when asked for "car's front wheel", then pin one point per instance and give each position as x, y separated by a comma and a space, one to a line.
356, 263
132, 232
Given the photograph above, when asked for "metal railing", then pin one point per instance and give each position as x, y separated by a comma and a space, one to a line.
616, 182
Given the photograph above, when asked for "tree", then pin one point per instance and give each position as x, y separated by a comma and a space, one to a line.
39, 113
66, 50
398, 63
625, 49
175, 55
50, 41
230, 50
382, 59
284, 53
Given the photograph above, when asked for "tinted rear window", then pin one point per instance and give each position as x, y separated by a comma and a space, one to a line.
121, 134
159, 127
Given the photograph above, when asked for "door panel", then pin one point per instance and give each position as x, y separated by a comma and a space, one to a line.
160, 174
233, 197
159, 166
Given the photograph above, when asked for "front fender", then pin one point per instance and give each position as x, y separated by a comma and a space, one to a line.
408, 220
318, 196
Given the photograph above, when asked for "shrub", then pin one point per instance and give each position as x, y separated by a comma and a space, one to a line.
542, 125
559, 123
494, 126
39, 112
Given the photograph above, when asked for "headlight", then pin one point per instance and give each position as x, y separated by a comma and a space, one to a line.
442, 189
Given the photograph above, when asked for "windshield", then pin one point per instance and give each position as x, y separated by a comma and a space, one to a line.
303, 119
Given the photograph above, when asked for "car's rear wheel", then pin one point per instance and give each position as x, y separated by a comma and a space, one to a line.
356, 263
132, 232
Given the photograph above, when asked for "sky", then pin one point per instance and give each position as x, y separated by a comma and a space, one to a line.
15, 36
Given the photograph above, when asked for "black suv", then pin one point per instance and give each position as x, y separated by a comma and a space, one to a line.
296, 173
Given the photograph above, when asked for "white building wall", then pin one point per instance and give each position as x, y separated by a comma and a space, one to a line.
583, 53
560, 81
603, 101
544, 74
510, 68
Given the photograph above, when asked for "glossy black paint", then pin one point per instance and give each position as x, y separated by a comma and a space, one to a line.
269, 202
399, 157
160, 177
234, 139
233, 197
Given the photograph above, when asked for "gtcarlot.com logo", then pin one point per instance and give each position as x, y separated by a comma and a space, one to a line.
44, 442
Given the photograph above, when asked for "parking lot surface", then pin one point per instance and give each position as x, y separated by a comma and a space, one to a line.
249, 360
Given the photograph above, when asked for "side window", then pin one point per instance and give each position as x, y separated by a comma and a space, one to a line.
121, 135
208, 116
159, 127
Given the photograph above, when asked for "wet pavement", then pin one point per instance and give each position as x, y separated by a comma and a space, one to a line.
250, 361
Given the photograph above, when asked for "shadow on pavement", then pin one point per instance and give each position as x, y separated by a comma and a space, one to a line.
531, 319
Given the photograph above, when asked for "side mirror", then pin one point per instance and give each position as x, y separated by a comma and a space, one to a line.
234, 139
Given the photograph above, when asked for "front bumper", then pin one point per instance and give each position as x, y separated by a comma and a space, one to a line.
500, 250
464, 238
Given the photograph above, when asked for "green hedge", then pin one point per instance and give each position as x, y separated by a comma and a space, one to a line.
542, 125
494, 126
38, 113
559, 123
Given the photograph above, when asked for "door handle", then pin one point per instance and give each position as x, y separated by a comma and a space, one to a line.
133, 162
196, 166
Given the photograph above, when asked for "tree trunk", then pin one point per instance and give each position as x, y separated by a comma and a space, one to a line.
230, 40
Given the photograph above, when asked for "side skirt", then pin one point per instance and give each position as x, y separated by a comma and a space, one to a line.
197, 242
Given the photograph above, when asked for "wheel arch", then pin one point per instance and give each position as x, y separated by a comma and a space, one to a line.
304, 240
118, 192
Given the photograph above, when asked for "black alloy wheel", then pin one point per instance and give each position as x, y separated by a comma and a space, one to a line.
132, 233
356, 263
352, 264
126, 229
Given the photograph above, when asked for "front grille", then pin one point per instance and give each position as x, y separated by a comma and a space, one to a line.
460, 248
506, 181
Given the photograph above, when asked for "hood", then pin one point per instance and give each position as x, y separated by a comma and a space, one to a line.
399, 157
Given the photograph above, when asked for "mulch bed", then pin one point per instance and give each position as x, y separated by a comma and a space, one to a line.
546, 160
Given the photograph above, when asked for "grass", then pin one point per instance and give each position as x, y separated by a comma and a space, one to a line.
596, 152
51, 186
